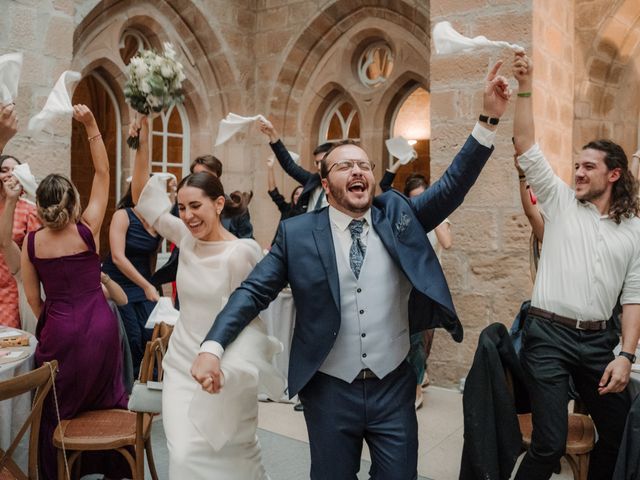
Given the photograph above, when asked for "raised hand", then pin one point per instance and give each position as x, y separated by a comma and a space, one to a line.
523, 71
269, 130
8, 124
496, 93
82, 114
12, 188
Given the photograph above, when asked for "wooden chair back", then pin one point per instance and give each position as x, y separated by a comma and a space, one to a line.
41, 380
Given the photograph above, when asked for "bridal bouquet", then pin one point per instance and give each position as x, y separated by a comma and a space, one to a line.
154, 83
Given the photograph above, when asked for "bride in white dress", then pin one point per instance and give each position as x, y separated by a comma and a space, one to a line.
209, 436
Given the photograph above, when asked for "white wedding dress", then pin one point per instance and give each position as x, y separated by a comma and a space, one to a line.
211, 436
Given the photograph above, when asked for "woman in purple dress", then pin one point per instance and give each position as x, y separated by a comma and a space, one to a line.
76, 327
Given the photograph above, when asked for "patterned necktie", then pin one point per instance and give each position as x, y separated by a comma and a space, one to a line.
318, 204
358, 249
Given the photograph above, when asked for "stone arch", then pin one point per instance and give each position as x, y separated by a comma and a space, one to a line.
180, 22
321, 33
607, 102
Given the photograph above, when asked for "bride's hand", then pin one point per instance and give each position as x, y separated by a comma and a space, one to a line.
206, 371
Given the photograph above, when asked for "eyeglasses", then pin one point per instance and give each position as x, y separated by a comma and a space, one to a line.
346, 165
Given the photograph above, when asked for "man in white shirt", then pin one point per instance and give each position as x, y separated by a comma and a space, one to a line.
591, 253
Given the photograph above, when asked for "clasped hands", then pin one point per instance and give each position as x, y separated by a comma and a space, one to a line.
206, 371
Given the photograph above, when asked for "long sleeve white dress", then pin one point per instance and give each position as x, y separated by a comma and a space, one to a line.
211, 436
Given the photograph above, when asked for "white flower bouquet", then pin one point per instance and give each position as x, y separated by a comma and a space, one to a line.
154, 83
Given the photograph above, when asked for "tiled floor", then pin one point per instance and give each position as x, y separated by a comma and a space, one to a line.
440, 433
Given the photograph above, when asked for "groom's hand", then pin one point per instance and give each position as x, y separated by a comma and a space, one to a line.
496, 93
206, 371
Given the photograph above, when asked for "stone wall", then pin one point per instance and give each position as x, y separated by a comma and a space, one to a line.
487, 267
43, 31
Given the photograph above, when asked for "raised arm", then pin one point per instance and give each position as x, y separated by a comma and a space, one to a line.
30, 280
8, 124
524, 133
141, 166
389, 176
443, 234
292, 169
93, 214
444, 196
271, 178
530, 210
8, 247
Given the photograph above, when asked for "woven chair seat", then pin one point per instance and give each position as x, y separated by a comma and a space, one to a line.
580, 437
98, 430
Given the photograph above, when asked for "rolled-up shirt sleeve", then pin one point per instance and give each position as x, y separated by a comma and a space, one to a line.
483, 135
631, 288
552, 193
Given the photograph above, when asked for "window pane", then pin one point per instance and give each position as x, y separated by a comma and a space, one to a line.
177, 171
345, 110
156, 148
157, 124
175, 123
354, 128
335, 128
174, 149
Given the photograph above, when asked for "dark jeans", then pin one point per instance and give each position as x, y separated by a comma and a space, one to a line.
551, 354
340, 415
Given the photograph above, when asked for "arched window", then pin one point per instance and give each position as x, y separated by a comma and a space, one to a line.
341, 122
170, 142
411, 120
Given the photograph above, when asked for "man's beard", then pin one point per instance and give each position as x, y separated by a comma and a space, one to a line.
340, 197
591, 194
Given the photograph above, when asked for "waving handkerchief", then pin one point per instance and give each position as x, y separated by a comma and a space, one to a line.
399, 147
58, 103
163, 312
10, 67
27, 180
232, 124
154, 201
447, 40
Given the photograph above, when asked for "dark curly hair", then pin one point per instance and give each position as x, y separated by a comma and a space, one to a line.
624, 195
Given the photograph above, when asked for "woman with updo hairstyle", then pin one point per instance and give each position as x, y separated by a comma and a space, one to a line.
207, 433
75, 326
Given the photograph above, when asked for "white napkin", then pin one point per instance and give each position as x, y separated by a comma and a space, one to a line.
232, 124
58, 103
10, 67
154, 201
27, 180
163, 312
447, 40
399, 147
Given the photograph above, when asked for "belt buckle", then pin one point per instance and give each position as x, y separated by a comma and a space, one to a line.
579, 325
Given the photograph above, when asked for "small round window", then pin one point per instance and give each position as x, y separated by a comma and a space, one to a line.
375, 64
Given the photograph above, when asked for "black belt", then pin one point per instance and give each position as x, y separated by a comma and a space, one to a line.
569, 322
366, 374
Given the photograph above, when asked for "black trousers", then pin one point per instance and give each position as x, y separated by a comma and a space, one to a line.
551, 354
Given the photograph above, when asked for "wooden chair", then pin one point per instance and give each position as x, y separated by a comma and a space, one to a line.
580, 441
114, 429
41, 381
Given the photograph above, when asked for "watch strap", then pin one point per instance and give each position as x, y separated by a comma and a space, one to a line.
489, 120
629, 356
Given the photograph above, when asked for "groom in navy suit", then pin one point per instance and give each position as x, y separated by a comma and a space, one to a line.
363, 277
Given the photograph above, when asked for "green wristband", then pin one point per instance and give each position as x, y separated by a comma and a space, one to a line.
524, 94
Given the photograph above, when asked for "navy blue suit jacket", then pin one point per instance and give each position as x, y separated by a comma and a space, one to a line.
303, 255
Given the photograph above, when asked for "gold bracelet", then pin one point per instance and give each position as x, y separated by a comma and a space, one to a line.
91, 139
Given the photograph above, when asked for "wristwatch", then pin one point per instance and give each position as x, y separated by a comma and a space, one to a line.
629, 356
489, 120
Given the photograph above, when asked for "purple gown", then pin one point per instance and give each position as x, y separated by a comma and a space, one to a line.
78, 329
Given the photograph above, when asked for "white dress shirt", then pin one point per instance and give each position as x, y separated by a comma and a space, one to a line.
587, 259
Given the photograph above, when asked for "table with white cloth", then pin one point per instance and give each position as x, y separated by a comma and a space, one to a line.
279, 318
14, 411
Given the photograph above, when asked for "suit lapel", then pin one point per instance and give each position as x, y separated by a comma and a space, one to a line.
326, 251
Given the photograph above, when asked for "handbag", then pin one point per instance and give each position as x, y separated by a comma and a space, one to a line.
146, 397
